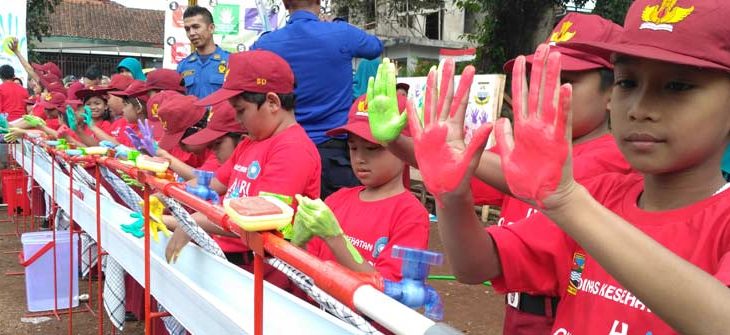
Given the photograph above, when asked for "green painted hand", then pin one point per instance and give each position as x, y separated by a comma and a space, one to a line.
300, 234
71, 118
33, 120
316, 217
87, 117
386, 121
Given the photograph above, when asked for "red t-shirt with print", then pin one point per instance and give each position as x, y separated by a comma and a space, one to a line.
287, 163
591, 158
538, 258
374, 227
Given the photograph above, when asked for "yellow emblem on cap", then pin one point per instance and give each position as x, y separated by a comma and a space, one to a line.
362, 108
562, 35
261, 81
153, 110
47, 96
664, 15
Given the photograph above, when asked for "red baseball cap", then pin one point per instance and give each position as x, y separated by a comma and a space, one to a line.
73, 88
93, 91
257, 71
120, 82
48, 67
358, 122
56, 86
176, 115
53, 100
133, 90
162, 79
153, 107
684, 32
221, 121
576, 27
48, 78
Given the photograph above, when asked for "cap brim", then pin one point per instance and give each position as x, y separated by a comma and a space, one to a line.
85, 93
645, 51
567, 63
361, 129
48, 105
204, 136
218, 96
169, 141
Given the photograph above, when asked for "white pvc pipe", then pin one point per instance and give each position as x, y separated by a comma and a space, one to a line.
395, 316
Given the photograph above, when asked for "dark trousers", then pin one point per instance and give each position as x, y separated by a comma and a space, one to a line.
336, 169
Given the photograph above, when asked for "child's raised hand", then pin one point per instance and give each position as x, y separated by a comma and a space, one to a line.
536, 159
71, 118
88, 119
386, 121
443, 158
33, 120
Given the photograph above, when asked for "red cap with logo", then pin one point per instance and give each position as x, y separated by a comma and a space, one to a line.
685, 32
176, 115
221, 121
48, 78
56, 86
153, 108
53, 100
358, 122
161, 79
257, 71
576, 27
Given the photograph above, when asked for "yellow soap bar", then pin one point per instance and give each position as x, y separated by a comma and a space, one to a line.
154, 164
96, 150
258, 213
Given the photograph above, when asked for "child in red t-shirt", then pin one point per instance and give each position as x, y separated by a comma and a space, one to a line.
661, 244
220, 138
276, 157
179, 118
373, 217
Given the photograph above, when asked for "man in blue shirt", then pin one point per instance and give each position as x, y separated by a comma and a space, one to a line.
204, 69
320, 54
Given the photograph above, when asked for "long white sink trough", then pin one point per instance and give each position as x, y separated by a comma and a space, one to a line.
206, 294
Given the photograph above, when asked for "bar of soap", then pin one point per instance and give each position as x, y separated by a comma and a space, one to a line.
254, 206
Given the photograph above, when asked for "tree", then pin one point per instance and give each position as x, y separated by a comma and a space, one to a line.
514, 27
37, 24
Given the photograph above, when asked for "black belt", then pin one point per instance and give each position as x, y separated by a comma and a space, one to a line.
535, 304
240, 258
334, 143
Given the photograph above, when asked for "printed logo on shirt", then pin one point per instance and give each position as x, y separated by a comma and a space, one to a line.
612, 293
358, 243
254, 170
503, 222
576, 272
379, 246
222, 68
562, 331
663, 16
622, 328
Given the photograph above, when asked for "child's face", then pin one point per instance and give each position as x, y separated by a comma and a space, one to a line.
669, 118
257, 120
223, 148
130, 112
116, 105
97, 106
590, 103
372, 163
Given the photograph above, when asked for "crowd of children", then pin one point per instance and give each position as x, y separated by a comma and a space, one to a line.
613, 201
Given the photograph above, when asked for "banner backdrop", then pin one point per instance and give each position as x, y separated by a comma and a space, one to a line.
238, 24
12, 24
485, 99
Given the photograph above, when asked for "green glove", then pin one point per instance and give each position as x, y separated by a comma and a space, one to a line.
317, 217
136, 228
4, 123
386, 121
299, 233
33, 120
71, 118
87, 117
129, 180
